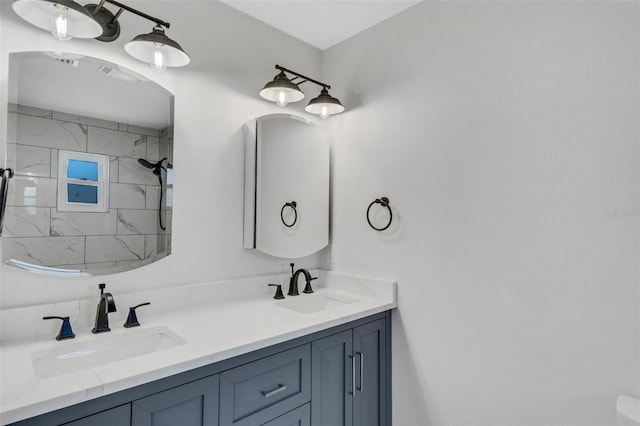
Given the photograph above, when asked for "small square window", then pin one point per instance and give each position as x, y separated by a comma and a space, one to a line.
83, 182
87, 194
83, 170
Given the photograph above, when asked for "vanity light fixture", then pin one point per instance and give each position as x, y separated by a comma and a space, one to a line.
66, 19
283, 90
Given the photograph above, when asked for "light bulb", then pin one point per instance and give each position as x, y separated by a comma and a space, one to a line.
282, 98
61, 28
324, 112
158, 63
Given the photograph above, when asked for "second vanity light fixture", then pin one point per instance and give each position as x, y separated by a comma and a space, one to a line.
283, 90
66, 19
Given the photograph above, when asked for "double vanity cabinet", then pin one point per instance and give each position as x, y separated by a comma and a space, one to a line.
333, 377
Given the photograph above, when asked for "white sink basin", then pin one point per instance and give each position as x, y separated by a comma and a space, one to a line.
311, 303
71, 356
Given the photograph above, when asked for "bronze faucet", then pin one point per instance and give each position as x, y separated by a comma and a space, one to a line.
293, 281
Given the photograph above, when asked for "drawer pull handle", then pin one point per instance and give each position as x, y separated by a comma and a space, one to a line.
361, 356
279, 389
353, 375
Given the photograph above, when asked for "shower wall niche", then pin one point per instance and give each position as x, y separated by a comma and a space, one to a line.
126, 235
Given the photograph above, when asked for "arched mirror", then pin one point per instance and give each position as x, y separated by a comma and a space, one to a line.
91, 144
286, 186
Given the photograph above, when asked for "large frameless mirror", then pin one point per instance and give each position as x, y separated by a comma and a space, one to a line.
91, 144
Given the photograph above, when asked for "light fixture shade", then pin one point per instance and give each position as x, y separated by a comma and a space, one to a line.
43, 13
150, 47
324, 105
281, 90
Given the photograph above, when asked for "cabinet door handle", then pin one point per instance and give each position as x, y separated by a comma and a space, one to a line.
279, 389
353, 375
361, 356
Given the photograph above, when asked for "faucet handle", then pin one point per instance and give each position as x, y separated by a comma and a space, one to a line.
132, 318
278, 294
65, 330
307, 288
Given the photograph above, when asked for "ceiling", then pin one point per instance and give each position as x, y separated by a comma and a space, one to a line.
321, 23
86, 86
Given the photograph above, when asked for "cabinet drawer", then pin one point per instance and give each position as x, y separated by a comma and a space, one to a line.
262, 390
119, 416
301, 416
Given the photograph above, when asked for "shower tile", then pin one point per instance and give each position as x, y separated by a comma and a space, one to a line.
140, 149
54, 163
51, 133
117, 143
46, 251
113, 169
127, 196
11, 155
130, 171
29, 110
70, 224
153, 193
167, 216
100, 265
142, 130
27, 222
137, 222
89, 121
150, 245
164, 245
32, 191
12, 128
153, 148
115, 248
131, 264
33, 160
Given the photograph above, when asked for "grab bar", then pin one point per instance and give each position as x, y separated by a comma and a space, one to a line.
4, 191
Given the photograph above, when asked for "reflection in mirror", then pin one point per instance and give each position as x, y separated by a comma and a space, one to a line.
91, 144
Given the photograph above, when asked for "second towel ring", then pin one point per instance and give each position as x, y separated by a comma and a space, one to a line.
384, 202
293, 206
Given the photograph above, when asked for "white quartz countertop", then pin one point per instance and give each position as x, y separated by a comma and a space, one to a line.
213, 327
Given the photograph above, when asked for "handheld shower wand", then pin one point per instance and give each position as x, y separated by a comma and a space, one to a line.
156, 169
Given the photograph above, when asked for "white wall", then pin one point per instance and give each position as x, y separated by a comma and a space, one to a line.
506, 136
233, 56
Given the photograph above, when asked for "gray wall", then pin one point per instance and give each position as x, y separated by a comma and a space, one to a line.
506, 136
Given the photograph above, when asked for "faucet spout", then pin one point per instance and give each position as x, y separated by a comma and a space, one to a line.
106, 306
293, 281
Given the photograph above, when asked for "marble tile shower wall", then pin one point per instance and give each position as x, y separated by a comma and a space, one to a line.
129, 233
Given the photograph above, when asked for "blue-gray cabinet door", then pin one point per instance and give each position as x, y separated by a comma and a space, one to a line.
119, 416
332, 383
301, 416
370, 398
192, 404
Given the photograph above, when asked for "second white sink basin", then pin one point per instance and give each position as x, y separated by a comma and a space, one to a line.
311, 303
67, 357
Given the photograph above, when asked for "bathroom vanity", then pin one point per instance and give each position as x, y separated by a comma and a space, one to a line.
244, 359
